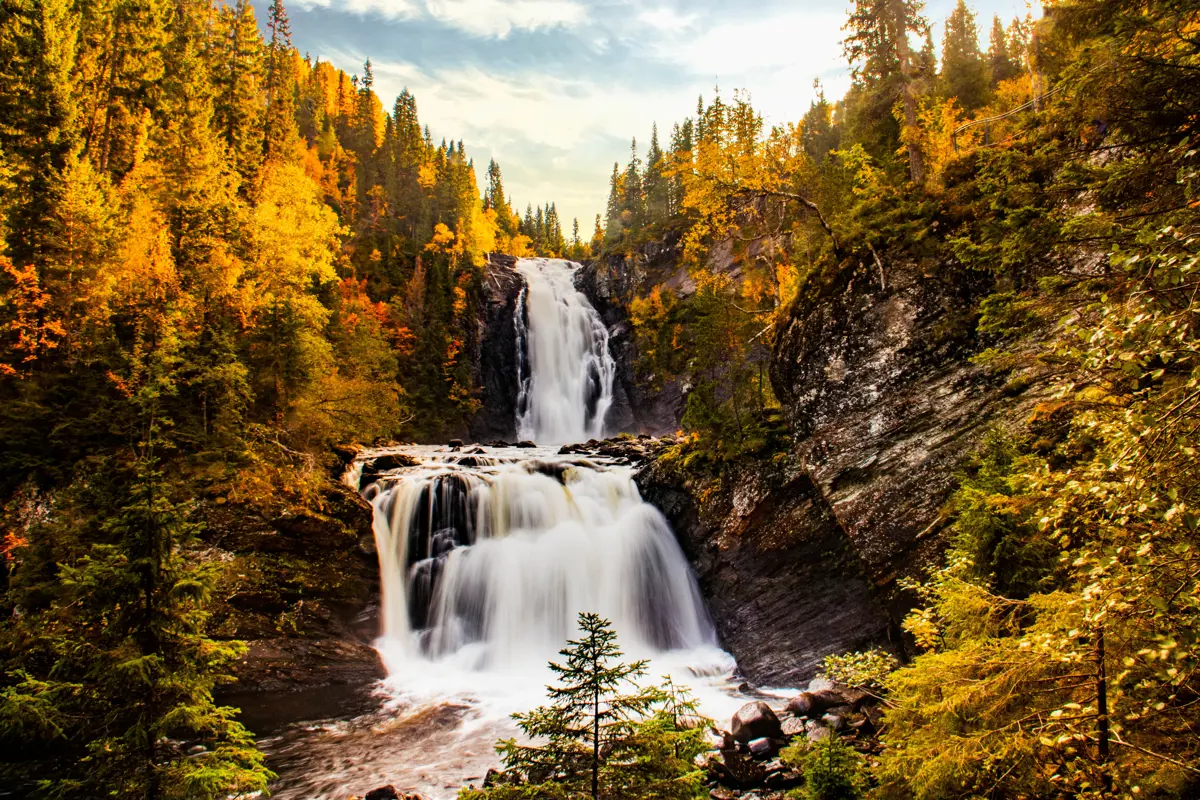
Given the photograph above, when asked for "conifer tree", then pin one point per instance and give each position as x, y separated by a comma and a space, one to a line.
1001, 64
964, 71
633, 197
597, 242
877, 46
818, 132
614, 226
237, 110
656, 184
604, 736
281, 128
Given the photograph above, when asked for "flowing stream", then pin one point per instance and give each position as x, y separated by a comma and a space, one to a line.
487, 555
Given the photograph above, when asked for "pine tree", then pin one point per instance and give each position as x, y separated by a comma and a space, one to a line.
281, 129
604, 736
656, 184
37, 113
633, 197
1001, 63
597, 242
964, 71
818, 132
237, 110
877, 46
614, 226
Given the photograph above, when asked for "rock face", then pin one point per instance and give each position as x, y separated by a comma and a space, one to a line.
496, 361
640, 404
799, 555
297, 584
783, 583
885, 404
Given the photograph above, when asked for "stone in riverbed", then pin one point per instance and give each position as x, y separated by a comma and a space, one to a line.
455, 444
526, 445
792, 726
836, 722
815, 731
765, 748
814, 704
731, 768
756, 721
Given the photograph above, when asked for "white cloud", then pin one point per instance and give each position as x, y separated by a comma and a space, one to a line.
392, 9
486, 18
667, 20
499, 17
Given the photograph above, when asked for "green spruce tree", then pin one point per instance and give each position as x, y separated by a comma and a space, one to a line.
604, 736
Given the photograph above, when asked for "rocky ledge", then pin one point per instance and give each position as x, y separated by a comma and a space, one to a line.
297, 583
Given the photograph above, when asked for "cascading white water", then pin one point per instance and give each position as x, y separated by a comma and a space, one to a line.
488, 556
487, 559
566, 373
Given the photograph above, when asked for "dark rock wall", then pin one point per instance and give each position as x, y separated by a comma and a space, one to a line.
784, 585
497, 358
885, 403
876, 381
611, 284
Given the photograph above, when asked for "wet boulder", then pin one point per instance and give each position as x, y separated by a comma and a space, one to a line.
764, 749
836, 722
756, 721
374, 467
815, 703
792, 726
781, 777
731, 768
383, 793
815, 731
526, 445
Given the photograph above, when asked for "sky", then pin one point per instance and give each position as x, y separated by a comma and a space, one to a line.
554, 90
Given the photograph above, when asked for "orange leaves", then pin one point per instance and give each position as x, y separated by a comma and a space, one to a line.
427, 176
356, 306
29, 328
10, 544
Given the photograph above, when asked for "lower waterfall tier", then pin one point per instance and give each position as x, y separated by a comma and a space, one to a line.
487, 559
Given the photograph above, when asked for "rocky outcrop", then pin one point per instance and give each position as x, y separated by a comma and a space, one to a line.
783, 583
495, 362
298, 583
801, 555
876, 381
640, 404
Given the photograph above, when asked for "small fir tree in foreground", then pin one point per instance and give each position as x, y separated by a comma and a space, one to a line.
603, 736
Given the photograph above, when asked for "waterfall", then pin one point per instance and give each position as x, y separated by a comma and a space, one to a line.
565, 371
487, 559
488, 556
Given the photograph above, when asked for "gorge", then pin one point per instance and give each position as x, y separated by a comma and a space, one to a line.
487, 554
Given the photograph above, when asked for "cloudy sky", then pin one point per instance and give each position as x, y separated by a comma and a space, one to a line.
555, 89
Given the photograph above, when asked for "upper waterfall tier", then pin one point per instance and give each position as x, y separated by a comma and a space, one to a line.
566, 372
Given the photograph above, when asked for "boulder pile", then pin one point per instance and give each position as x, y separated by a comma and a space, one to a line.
744, 762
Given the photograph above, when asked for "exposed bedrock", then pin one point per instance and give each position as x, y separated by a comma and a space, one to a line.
885, 404
783, 583
611, 284
801, 556
495, 363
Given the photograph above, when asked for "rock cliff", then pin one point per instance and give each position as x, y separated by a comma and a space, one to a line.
801, 555
496, 359
611, 284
